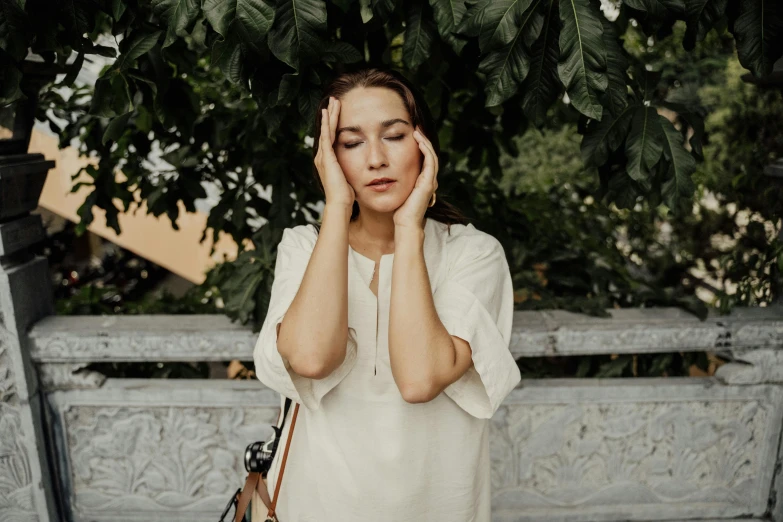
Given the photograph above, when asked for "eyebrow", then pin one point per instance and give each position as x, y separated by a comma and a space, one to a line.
356, 128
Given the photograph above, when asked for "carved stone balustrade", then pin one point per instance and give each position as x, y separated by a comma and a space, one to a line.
562, 449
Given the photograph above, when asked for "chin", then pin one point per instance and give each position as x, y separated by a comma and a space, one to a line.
383, 205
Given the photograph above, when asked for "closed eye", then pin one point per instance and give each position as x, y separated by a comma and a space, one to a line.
352, 145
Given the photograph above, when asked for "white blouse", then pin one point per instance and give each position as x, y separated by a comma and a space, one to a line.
360, 452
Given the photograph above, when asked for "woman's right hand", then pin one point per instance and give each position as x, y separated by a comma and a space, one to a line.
336, 187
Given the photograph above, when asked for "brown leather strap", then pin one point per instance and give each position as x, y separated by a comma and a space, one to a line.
282, 466
244, 498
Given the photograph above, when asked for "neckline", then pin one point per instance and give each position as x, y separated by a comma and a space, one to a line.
362, 256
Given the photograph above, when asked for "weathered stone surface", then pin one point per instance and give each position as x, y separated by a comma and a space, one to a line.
155, 450
16, 479
25, 481
660, 450
216, 338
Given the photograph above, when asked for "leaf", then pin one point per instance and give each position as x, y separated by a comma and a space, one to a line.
220, 14
294, 35
227, 55
9, 81
73, 71
341, 52
448, 14
582, 67
420, 33
605, 136
759, 33
473, 19
644, 144
682, 165
542, 85
616, 94
13, 28
657, 8
139, 44
178, 15
254, 18
116, 128
701, 15
117, 9
507, 67
289, 88
307, 103
111, 96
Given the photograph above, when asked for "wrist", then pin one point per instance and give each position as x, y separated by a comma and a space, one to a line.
338, 209
408, 234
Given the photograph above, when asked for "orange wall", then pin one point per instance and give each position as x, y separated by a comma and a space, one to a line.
147, 236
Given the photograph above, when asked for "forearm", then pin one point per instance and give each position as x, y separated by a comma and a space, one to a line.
420, 347
314, 332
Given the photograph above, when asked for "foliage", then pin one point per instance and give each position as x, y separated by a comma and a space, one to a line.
224, 93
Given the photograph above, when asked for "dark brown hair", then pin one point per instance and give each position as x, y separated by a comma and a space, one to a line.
418, 111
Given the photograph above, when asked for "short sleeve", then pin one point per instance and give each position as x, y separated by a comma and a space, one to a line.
475, 302
272, 369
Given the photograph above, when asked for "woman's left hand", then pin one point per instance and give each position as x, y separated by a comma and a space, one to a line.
411, 213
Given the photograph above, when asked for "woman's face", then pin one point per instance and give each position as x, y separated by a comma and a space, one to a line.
374, 139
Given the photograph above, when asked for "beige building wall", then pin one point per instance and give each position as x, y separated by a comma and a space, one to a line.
147, 236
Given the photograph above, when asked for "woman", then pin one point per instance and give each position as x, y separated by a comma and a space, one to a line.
390, 325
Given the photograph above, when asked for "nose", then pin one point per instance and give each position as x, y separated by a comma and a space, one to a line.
377, 155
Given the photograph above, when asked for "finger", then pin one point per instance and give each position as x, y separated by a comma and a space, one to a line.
335, 116
427, 167
423, 140
324, 128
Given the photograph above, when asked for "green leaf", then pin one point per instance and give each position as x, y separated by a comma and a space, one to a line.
111, 96
448, 14
289, 88
500, 23
13, 28
682, 165
420, 33
10, 79
307, 103
507, 67
616, 94
473, 19
116, 128
341, 52
644, 144
137, 45
255, 18
73, 71
178, 15
227, 55
582, 67
294, 36
75, 16
657, 8
542, 85
220, 14
117, 9
759, 33
605, 136
702, 15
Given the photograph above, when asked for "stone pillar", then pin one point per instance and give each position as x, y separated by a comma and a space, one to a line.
26, 483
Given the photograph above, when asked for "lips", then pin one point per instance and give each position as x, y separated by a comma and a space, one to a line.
380, 181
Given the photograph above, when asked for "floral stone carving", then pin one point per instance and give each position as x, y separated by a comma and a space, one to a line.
183, 459
16, 481
580, 458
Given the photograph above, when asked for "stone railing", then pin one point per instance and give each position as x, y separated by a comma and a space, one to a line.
562, 449
75, 446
